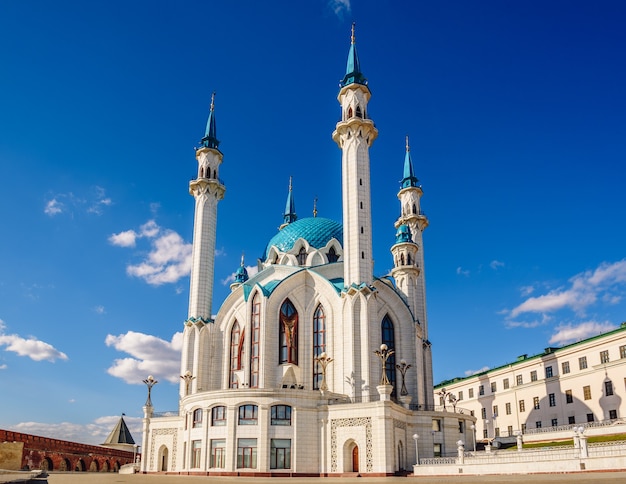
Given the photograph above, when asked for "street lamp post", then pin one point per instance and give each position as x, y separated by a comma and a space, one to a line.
135, 454
417, 454
473, 427
384, 354
150, 382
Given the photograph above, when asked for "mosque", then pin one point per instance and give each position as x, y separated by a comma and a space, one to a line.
313, 366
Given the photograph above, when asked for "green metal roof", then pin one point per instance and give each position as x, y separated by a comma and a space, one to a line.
317, 231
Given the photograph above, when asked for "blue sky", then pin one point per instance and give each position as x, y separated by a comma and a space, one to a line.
516, 113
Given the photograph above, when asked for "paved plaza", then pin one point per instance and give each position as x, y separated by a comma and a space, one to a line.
110, 478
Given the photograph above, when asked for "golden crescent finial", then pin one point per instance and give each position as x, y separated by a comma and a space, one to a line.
315, 207
352, 38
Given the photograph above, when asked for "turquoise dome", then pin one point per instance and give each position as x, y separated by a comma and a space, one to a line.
317, 231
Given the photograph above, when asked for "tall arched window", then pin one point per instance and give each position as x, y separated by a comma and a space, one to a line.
236, 347
319, 343
255, 341
288, 351
388, 338
332, 255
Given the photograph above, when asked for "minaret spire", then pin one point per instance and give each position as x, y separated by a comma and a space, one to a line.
210, 136
290, 207
353, 66
354, 135
409, 179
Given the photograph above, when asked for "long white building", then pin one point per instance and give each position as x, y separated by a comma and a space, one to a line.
313, 366
579, 384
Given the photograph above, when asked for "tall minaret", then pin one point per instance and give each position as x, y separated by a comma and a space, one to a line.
411, 216
208, 190
354, 134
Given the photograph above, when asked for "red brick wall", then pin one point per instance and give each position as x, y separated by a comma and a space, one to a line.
55, 454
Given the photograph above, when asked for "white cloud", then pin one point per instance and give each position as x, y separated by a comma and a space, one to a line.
99, 309
53, 207
476, 372
33, 348
339, 7
149, 355
569, 333
168, 260
94, 433
496, 264
585, 289
3, 367
127, 238
94, 203
101, 201
526, 290
462, 272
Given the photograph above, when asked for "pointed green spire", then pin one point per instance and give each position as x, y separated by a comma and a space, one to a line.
409, 179
210, 136
290, 208
353, 67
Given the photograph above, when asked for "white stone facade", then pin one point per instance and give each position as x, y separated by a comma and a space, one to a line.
288, 376
581, 384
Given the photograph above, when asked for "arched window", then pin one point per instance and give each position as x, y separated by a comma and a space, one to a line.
288, 351
358, 112
388, 338
197, 418
414, 209
280, 415
255, 341
201, 172
319, 343
350, 112
401, 259
302, 256
408, 259
236, 348
331, 255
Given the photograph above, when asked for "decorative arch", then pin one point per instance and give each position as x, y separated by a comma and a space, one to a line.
288, 339
351, 456
93, 467
388, 338
332, 255
400, 456
319, 342
163, 458
255, 340
80, 466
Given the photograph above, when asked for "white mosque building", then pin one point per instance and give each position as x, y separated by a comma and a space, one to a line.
313, 366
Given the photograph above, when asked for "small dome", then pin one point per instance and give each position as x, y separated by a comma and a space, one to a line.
403, 234
317, 231
241, 275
